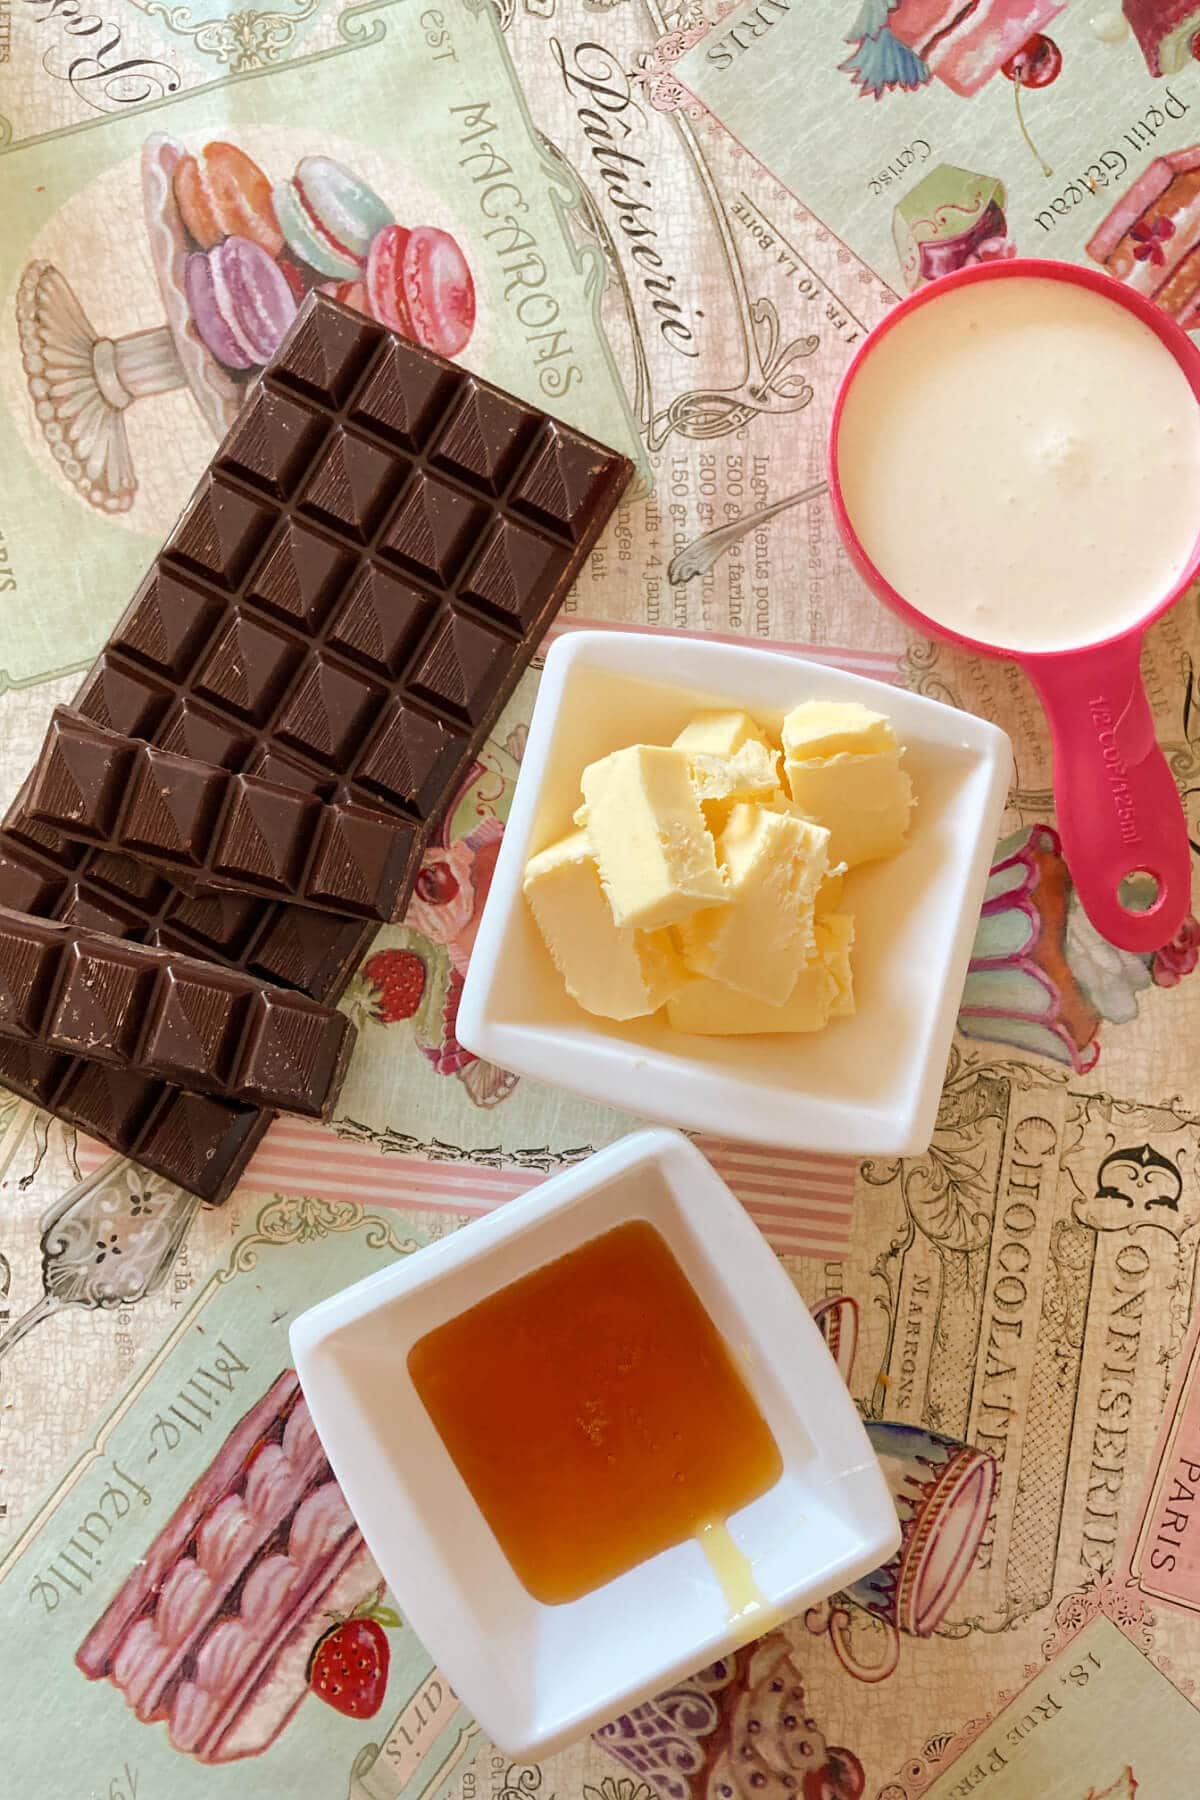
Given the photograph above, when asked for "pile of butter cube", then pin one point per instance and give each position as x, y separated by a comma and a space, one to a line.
701, 880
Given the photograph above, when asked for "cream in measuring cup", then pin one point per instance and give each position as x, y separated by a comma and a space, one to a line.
1015, 464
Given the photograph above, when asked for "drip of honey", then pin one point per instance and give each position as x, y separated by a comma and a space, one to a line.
733, 1570
596, 1415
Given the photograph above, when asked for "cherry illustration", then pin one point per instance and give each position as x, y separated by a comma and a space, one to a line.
1036, 64
437, 884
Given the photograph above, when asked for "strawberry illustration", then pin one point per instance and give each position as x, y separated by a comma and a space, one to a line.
397, 978
348, 1668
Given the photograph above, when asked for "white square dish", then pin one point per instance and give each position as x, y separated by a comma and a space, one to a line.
536, 1676
867, 1085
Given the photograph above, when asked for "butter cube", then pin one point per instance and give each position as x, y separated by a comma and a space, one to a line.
828, 896
722, 782
751, 772
760, 940
655, 854
721, 779
821, 728
842, 764
710, 1009
720, 733
835, 940
611, 970
864, 802
823, 990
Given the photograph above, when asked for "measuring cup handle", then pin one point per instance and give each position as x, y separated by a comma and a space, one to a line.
1117, 804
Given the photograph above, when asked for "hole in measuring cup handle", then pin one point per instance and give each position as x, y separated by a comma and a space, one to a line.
1140, 891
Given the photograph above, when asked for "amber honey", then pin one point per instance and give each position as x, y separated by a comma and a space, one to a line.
595, 1413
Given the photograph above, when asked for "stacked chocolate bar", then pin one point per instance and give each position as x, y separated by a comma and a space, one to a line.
252, 768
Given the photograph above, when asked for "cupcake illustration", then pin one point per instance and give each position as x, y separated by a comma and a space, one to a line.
741, 1729
950, 220
907, 43
1041, 978
942, 1490
234, 254
1167, 32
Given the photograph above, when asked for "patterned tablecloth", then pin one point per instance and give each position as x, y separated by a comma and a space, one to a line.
1014, 1309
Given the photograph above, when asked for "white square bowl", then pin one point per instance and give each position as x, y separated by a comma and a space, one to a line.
867, 1085
536, 1676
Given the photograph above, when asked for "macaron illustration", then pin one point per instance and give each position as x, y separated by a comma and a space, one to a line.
418, 283
299, 277
328, 216
221, 192
350, 293
240, 302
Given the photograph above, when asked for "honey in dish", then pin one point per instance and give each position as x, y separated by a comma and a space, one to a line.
595, 1413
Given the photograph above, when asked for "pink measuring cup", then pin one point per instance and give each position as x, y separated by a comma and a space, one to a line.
1118, 808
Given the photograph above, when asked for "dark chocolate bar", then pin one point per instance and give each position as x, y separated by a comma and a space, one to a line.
83, 994
347, 603
212, 829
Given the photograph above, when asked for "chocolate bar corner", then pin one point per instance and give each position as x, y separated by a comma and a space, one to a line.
343, 609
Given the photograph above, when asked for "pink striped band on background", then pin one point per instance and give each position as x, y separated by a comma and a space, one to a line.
803, 1204
876, 665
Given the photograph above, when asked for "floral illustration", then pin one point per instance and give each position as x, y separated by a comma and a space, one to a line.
1148, 240
617, 1787
1148, 235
